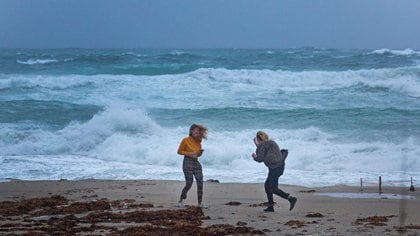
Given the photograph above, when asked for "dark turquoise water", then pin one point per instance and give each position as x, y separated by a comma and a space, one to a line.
115, 112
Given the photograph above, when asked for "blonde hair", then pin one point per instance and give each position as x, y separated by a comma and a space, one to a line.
202, 128
262, 136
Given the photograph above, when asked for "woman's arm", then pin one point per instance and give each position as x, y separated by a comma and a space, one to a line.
182, 150
259, 153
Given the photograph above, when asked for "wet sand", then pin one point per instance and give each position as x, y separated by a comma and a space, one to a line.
143, 207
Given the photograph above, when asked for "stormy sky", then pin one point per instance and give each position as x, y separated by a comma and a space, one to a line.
364, 24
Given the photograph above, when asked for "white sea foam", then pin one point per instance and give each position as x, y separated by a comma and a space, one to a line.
223, 87
33, 61
45, 81
405, 52
124, 142
367, 195
177, 52
402, 80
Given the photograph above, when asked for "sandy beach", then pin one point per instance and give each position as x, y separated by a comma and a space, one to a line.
126, 207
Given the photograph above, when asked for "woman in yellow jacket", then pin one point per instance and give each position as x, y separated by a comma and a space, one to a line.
190, 148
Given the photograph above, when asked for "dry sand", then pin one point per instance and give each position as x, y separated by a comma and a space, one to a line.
98, 207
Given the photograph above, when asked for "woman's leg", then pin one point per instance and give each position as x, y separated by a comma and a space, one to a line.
188, 169
268, 188
274, 182
273, 186
198, 173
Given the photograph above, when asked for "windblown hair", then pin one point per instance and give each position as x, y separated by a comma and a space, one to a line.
202, 128
262, 136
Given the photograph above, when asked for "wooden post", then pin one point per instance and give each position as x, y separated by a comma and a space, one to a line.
380, 184
361, 185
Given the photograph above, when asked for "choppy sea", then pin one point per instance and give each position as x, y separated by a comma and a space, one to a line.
121, 113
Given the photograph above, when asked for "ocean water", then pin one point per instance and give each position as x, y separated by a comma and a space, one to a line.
120, 114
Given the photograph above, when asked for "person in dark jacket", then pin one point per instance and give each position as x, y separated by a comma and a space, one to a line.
269, 152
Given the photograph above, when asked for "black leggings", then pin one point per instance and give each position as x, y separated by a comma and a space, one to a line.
271, 184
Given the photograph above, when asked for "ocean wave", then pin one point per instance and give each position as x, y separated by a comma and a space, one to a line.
127, 135
45, 112
45, 81
225, 88
79, 136
37, 61
405, 80
161, 62
405, 52
177, 52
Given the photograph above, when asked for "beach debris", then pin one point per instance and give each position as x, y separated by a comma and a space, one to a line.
233, 203
144, 205
213, 181
264, 204
91, 196
187, 216
295, 223
54, 216
407, 227
129, 203
308, 191
226, 229
314, 215
373, 220
241, 223
219, 229
75, 208
412, 189
11, 208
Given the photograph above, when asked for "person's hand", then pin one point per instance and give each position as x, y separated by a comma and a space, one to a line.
254, 155
256, 141
193, 155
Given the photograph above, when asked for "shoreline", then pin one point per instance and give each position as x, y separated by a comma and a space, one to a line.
239, 204
369, 184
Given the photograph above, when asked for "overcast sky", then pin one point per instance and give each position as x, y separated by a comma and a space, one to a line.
367, 24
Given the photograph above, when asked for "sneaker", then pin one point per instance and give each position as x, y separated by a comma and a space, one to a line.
203, 206
180, 204
292, 201
269, 209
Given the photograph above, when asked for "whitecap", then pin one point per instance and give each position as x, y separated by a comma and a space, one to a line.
405, 52
37, 61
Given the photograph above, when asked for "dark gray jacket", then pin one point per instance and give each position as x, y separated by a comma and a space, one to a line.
270, 153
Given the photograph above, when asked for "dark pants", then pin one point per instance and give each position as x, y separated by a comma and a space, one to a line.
271, 184
192, 168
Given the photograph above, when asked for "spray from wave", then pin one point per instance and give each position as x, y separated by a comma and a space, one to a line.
37, 61
126, 137
122, 113
405, 52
